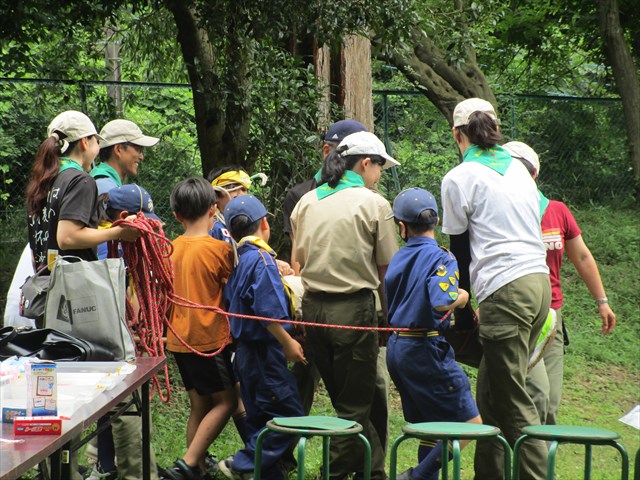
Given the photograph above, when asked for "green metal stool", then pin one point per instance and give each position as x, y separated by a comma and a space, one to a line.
449, 431
313, 426
557, 434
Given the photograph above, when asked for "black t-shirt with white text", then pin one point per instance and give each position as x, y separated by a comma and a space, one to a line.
73, 196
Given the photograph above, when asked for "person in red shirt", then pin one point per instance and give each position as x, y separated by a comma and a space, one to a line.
560, 234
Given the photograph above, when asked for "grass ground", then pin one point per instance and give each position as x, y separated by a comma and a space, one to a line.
601, 378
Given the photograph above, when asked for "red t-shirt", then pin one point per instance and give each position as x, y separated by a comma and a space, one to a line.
558, 225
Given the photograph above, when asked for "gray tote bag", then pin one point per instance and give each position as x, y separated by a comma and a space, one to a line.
87, 300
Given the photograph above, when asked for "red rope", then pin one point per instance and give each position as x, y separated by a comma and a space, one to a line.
149, 265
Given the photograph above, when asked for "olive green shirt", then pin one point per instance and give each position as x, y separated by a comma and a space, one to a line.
342, 239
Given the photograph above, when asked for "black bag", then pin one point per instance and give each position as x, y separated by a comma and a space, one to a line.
49, 344
33, 299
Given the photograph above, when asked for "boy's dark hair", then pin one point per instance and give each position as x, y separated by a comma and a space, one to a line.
216, 172
482, 130
427, 220
192, 198
335, 165
240, 227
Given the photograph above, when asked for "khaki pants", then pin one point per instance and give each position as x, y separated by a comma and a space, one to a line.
510, 321
347, 361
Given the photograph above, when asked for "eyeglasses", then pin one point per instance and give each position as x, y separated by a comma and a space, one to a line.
137, 148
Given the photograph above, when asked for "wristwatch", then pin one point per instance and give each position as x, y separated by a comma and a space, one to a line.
602, 300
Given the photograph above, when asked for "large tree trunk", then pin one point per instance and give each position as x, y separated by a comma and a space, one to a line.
626, 76
222, 116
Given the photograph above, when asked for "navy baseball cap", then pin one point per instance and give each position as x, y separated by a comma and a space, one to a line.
132, 198
410, 203
343, 128
247, 205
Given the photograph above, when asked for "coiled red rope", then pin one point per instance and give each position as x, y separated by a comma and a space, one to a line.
149, 265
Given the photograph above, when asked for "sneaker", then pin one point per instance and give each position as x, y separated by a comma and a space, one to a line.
228, 471
406, 475
181, 471
97, 474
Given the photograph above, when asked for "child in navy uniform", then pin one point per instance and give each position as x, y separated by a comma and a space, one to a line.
268, 389
421, 285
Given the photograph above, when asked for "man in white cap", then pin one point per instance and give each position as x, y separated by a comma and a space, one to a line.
121, 151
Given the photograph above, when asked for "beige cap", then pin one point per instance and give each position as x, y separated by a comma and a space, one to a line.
73, 126
366, 143
465, 108
125, 131
525, 152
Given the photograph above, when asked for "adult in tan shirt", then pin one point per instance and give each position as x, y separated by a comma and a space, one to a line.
344, 244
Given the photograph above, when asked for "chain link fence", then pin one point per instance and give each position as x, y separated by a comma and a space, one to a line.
581, 143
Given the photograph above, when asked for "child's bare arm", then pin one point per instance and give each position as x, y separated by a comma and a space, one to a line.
292, 349
463, 298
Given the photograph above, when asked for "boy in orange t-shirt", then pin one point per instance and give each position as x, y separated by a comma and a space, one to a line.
202, 265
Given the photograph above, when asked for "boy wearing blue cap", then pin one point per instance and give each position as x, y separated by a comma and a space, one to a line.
268, 389
421, 285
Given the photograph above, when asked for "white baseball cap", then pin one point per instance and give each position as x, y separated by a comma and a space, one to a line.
71, 126
366, 143
465, 108
525, 152
125, 131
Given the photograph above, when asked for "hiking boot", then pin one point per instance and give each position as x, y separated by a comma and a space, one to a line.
228, 471
182, 471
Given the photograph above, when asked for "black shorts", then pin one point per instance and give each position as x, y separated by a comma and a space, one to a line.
206, 374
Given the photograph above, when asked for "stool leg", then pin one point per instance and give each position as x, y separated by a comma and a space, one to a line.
551, 460
326, 444
302, 444
625, 461
393, 456
507, 457
257, 458
516, 456
456, 459
367, 457
587, 462
445, 458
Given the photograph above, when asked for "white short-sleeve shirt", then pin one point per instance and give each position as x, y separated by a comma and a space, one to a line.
501, 213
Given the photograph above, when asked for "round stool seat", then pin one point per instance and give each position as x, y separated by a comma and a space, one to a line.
318, 425
451, 430
570, 433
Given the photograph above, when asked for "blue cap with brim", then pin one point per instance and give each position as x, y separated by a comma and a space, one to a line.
339, 130
410, 203
247, 205
132, 198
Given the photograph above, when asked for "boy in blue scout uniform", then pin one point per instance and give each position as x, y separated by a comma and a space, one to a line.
268, 389
421, 285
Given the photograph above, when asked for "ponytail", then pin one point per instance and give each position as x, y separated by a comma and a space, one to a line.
482, 130
45, 168
335, 165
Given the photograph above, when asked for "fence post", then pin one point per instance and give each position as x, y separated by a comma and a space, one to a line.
83, 96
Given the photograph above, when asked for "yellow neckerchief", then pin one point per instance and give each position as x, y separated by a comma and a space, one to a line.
262, 245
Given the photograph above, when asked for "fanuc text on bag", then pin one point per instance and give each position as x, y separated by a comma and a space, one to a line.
87, 300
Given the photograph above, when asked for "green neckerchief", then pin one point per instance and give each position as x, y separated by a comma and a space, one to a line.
496, 158
106, 170
349, 180
318, 176
258, 242
66, 163
544, 203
